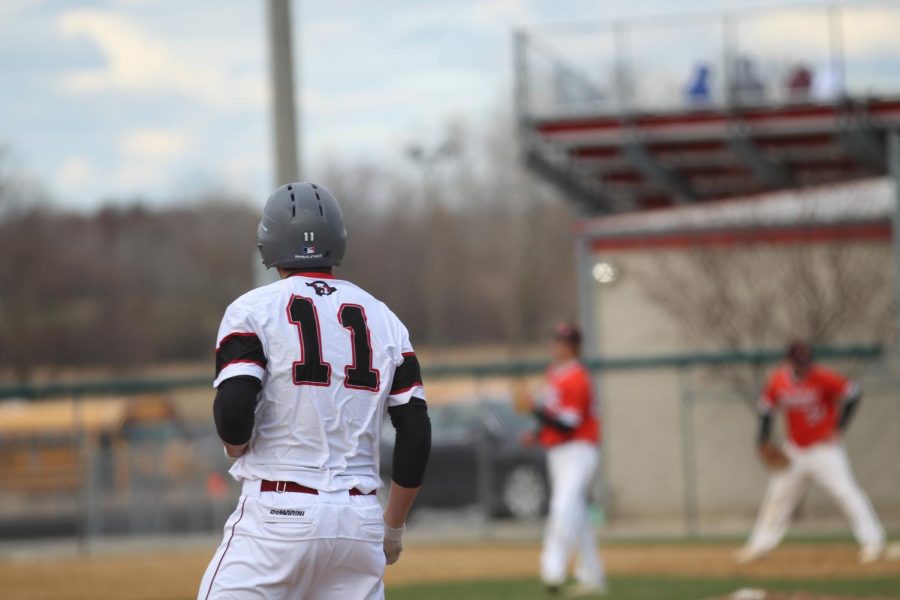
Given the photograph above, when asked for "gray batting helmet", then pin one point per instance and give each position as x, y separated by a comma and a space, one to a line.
302, 227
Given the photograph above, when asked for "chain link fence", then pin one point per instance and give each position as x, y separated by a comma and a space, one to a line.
680, 455
141, 457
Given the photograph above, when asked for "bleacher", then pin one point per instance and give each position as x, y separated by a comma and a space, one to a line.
619, 134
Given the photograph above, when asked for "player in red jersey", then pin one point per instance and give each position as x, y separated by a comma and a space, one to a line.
818, 405
571, 433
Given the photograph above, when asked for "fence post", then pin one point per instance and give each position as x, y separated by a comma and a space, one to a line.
893, 156
484, 466
688, 455
84, 483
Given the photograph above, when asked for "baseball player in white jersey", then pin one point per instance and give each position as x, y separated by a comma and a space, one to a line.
306, 369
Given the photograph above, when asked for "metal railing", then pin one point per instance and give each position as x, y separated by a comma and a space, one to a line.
703, 60
514, 368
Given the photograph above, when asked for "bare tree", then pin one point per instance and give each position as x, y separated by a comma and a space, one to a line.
471, 249
474, 250
751, 296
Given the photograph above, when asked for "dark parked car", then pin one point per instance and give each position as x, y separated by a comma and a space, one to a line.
477, 458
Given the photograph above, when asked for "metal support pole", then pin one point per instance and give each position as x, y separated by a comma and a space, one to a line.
836, 47
894, 169
688, 454
587, 316
625, 103
729, 51
520, 83
284, 116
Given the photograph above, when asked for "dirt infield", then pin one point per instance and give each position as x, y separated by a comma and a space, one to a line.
175, 576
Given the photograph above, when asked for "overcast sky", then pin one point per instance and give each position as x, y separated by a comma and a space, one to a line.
118, 99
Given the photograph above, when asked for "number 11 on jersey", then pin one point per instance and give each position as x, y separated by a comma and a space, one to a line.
312, 369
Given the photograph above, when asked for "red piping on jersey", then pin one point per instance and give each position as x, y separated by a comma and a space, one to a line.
408, 354
236, 334
227, 546
242, 360
312, 275
406, 389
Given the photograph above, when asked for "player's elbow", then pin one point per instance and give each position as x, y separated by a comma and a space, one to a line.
234, 428
412, 445
854, 393
233, 409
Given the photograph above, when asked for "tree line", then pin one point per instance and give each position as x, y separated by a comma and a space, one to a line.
468, 250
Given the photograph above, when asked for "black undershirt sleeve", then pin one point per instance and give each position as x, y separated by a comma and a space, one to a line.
848, 409
233, 408
413, 442
547, 419
765, 428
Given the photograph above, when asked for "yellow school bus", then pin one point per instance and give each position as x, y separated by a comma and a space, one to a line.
47, 446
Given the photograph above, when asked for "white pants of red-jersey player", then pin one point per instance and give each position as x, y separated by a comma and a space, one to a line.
571, 466
827, 464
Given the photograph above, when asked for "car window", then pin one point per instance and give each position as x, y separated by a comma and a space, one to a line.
456, 422
510, 419
448, 423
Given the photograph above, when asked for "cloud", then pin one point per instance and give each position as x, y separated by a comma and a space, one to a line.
154, 144
10, 9
137, 63
489, 12
149, 156
76, 172
410, 92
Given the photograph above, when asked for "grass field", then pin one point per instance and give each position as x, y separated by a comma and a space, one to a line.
650, 588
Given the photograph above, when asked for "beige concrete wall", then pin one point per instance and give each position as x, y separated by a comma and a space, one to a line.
655, 422
629, 323
648, 413
642, 438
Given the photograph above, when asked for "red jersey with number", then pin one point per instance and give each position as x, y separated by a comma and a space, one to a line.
569, 398
811, 403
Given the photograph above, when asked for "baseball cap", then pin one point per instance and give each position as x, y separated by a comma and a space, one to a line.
567, 332
799, 352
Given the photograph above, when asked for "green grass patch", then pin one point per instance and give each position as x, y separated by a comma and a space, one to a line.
646, 588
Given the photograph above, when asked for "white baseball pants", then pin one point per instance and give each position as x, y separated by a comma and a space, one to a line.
291, 546
567, 532
826, 463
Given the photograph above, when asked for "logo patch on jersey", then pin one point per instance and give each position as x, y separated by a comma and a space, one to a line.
322, 288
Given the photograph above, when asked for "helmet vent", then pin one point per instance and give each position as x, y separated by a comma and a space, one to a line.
293, 205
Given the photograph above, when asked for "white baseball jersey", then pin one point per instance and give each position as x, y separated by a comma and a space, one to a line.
331, 359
